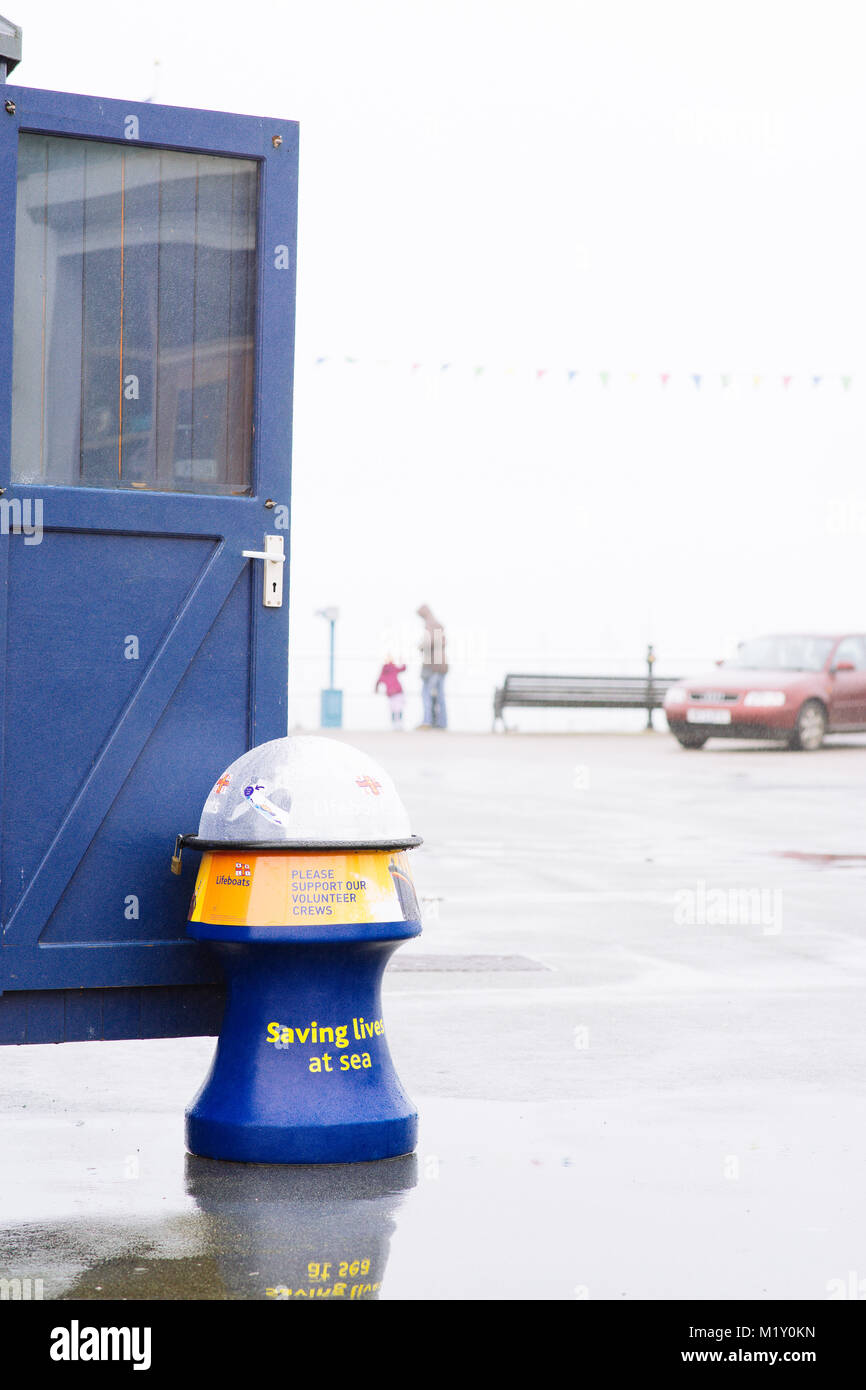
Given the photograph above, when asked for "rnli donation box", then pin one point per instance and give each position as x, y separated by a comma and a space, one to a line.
304, 891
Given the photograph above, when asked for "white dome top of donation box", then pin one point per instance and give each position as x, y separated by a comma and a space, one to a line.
305, 790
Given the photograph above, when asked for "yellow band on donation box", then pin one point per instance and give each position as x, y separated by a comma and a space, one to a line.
246, 888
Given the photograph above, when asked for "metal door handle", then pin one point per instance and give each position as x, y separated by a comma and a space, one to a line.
274, 558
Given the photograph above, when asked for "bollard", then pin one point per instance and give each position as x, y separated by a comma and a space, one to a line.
304, 891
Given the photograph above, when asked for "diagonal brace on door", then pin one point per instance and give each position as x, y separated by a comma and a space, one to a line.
118, 756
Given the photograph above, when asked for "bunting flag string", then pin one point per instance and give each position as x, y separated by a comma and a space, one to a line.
696, 381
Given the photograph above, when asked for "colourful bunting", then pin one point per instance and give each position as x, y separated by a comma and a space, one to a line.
571, 374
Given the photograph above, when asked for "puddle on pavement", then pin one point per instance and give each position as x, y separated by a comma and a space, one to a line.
259, 1231
807, 857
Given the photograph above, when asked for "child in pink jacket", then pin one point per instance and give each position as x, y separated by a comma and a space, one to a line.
389, 676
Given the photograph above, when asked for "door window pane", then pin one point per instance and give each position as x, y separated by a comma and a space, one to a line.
134, 317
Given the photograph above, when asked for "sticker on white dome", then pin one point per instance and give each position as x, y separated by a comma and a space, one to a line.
369, 784
256, 794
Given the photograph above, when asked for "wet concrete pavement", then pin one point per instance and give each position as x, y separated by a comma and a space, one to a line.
633, 1029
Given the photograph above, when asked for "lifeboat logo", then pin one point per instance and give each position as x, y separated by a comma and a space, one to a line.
369, 784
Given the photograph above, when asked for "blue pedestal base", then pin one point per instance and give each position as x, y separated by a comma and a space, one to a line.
302, 1071
300, 1144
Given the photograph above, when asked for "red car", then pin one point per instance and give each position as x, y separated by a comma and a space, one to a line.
793, 688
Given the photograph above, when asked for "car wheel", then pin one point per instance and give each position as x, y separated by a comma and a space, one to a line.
691, 740
810, 728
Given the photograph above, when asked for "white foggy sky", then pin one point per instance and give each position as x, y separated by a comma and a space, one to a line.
628, 187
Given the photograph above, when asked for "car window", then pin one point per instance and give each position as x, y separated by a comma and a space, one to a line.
851, 649
796, 652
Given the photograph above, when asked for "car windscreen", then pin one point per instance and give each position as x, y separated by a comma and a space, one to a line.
782, 654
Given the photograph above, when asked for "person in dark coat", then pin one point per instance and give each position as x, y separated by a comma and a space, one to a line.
434, 669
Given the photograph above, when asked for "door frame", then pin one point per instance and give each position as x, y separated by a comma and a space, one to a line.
233, 523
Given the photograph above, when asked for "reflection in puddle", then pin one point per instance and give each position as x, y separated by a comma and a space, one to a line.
306, 1231
255, 1231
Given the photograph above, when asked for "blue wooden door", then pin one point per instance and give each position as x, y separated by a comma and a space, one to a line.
147, 267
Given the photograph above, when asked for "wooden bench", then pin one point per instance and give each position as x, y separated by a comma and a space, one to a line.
582, 692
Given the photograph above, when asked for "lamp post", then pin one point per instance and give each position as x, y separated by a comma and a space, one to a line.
332, 700
650, 662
